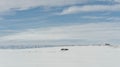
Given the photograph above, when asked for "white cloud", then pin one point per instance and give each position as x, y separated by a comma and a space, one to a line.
90, 8
91, 32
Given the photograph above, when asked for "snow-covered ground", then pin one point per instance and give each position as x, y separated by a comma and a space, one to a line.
76, 56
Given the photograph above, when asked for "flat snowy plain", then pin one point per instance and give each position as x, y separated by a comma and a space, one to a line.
76, 56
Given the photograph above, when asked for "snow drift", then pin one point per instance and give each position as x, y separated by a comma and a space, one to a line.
76, 56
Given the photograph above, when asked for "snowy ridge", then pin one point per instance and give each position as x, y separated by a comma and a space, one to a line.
44, 46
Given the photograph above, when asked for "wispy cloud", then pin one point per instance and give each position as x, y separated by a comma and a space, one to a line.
105, 18
93, 17
13, 5
90, 8
115, 19
117, 1
8, 5
1, 18
91, 32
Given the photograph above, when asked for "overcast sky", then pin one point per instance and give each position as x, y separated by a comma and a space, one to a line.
59, 22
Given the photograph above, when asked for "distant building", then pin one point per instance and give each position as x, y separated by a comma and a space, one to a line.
64, 49
106, 44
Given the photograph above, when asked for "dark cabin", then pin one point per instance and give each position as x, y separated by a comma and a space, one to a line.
106, 44
64, 49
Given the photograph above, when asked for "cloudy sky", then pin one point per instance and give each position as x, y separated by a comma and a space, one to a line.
59, 22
